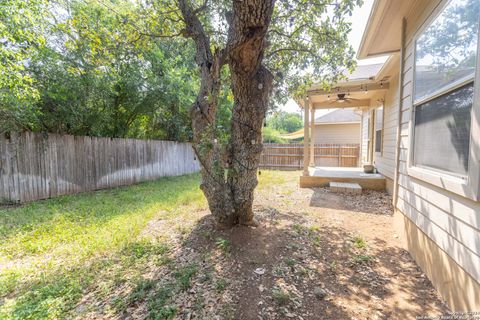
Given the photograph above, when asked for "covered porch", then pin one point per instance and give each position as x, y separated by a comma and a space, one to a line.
322, 176
363, 90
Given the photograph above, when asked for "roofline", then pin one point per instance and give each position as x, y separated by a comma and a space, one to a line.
377, 14
342, 122
366, 32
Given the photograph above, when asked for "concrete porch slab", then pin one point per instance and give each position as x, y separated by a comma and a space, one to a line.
322, 176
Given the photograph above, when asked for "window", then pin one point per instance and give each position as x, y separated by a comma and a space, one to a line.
378, 129
369, 140
442, 132
446, 53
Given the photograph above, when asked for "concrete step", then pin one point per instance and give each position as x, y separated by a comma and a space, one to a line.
345, 187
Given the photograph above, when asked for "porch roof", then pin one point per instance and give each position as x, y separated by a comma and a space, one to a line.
355, 92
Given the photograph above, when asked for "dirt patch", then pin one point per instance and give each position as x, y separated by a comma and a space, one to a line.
314, 255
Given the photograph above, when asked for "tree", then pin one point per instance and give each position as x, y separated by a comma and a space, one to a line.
79, 67
264, 44
285, 121
270, 135
96, 76
20, 37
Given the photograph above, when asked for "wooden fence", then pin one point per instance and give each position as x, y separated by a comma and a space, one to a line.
38, 166
290, 156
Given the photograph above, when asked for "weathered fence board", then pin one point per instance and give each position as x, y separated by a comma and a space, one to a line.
290, 156
38, 166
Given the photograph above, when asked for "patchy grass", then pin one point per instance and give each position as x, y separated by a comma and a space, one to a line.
290, 262
158, 307
362, 258
184, 275
224, 245
221, 284
359, 243
281, 296
54, 250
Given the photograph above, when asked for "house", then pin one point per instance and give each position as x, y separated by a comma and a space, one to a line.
341, 126
421, 130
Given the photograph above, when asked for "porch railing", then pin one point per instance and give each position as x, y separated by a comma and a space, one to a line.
290, 156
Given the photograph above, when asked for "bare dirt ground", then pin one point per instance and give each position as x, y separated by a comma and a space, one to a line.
315, 255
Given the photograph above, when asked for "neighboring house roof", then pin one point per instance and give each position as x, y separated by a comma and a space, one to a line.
339, 116
365, 72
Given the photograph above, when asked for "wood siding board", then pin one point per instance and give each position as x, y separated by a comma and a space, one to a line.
462, 232
461, 254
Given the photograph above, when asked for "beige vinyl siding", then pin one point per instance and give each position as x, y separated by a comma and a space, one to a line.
337, 133
385, 161
450, 220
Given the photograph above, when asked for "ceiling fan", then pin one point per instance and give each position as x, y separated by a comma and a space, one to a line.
343, 97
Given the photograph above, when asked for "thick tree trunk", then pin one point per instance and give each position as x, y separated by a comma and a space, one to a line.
252, 87
252, 94
229, 173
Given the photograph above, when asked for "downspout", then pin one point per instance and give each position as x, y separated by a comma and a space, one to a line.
400, 107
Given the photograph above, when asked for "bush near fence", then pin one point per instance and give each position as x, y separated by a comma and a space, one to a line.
38, 166
290, 156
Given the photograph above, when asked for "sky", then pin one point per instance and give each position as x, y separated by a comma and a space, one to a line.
359, 21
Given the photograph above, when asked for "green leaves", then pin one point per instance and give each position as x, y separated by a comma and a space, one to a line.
285, 121
120, 68
308, 43
91, 67
20, 37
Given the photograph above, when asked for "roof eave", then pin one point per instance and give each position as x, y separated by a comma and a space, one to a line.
384, 21
362, 49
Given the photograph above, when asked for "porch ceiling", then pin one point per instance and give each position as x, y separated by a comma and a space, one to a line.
358, 95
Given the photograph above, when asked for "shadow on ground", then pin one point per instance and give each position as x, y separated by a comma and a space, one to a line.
287, 268
317, 257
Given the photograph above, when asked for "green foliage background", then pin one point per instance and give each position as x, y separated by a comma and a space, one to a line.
80, 67
122, 68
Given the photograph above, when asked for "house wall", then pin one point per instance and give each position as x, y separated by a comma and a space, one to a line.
442, 229
385, 160
337, 133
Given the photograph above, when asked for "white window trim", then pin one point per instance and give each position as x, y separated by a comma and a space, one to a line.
380, 153
470, 186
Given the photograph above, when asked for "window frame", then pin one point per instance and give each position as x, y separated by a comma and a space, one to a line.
380, 153
469, 186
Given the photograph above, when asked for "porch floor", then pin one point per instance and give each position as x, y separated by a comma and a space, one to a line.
322, 176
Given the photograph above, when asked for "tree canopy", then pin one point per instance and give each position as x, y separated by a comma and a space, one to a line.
285, 121
80, 67
123, 69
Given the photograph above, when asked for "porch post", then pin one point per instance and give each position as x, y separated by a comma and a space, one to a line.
306, 136
312, 137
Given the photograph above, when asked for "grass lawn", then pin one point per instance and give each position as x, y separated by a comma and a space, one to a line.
152, 251
53, 251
